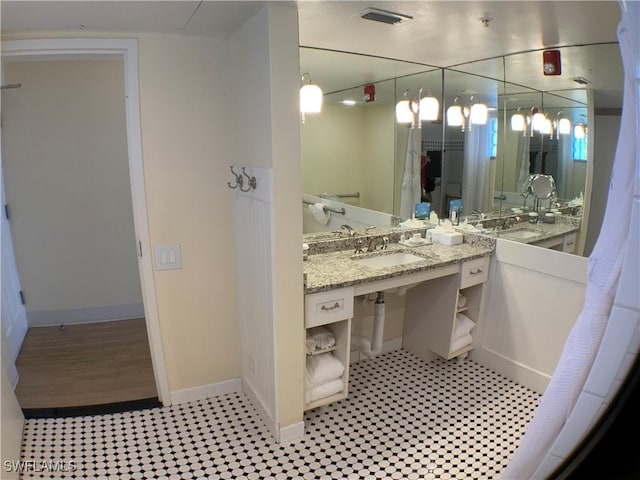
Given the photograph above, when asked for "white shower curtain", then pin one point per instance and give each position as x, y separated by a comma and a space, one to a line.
476, 184
604, 268
565, 168
523, 160
411, 190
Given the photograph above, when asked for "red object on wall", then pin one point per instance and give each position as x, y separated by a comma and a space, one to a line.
551, 64
369, 92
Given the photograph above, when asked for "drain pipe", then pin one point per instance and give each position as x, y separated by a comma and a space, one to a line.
373, 348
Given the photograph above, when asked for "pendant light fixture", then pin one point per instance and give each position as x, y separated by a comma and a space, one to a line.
472, 114
310, 97
416, 110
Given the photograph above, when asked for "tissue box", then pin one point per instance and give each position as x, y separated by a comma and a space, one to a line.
448, 238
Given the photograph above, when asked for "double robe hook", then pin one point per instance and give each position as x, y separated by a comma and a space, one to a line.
240, 179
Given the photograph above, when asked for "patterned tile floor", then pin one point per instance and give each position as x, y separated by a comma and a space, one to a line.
404, 419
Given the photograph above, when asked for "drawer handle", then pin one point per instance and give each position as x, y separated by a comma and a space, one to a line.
328, 309
475, 272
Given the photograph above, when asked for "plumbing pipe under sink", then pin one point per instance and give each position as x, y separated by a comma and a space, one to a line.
372, 347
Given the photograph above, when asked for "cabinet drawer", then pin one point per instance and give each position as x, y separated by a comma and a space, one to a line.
474, 272
327, 307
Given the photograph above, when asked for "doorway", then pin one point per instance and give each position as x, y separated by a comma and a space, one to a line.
119, 310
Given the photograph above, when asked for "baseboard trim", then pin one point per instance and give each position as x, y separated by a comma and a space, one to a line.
206, 391
269, 422
74, 316
519, 373
291, 432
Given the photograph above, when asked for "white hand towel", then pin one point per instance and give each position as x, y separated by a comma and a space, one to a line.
321, 391
461, 342
323, 368
323, 337
465, 323
320, 213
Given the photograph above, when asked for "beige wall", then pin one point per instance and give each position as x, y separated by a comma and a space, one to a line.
189, 88
185, 98
67, 178
350, 149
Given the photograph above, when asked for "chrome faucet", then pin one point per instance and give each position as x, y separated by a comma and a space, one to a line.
510, 222
377, 243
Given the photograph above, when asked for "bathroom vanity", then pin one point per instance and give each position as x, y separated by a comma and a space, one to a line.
430, 276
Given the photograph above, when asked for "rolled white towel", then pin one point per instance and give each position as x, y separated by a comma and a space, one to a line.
322, 368
461, 342
321, 391
323, 337
462, 300
320, 213
311, 344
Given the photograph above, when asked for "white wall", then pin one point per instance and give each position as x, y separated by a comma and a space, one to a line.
534, 297
11, 419
265, 72
67, 180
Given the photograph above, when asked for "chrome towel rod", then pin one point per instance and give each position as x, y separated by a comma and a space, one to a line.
341, 195
327, 209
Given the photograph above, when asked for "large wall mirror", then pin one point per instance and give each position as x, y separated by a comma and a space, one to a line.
356, 152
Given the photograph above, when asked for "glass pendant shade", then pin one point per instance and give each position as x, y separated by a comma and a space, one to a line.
310, 99
547, 127
564, 126
537, 121
429, 108
454, 116
518, 122
479, 114
404, 114
579, 131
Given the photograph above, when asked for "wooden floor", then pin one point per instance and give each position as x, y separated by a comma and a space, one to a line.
88, 364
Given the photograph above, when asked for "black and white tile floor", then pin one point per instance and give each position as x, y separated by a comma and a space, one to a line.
404, 419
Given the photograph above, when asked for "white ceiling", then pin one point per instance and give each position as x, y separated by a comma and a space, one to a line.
442, 33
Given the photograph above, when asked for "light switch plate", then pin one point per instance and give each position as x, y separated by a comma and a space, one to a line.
167, 256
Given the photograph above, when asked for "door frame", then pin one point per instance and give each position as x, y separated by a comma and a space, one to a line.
127, 49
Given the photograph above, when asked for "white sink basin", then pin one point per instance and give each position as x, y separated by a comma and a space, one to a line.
522, 234
390, 260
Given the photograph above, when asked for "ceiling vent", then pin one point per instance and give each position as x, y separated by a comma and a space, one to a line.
384, 16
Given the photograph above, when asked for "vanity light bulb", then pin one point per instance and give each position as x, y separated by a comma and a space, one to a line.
517, 122
429, 108
578, 131
310, 98
537, 121
479, 114
564, 126
454, 116
403, 112
546, 127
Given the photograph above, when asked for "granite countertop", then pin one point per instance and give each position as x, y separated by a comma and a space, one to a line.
537, 232
328, 271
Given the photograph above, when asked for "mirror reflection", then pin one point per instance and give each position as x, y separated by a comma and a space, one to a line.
355, 152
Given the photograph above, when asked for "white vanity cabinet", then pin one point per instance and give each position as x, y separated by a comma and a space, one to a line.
431, 309
565, 243
333, 310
